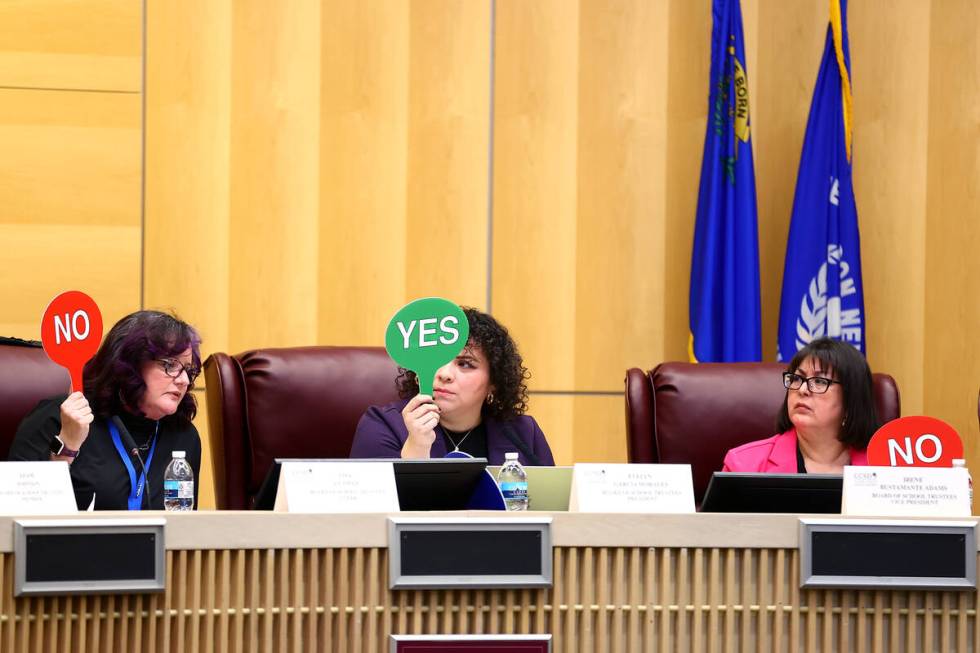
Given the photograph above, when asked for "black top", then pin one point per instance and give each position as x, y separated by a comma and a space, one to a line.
800, 463
99, 469
473, 442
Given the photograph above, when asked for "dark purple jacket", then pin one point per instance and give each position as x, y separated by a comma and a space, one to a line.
381, 433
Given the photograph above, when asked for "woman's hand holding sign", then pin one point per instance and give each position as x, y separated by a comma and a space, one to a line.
76, 416
421, 417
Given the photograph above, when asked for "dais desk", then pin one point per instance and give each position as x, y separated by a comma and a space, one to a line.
244, 582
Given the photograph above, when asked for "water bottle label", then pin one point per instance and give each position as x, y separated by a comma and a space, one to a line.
514, 490
171, 490
185, 489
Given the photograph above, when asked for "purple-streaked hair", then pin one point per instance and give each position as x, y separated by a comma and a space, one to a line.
113, 378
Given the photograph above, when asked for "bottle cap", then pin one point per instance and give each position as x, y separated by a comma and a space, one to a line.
510, 455
179, 454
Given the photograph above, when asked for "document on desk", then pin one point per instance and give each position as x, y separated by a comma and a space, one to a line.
322, 486
598, 487
906, 492
36, 488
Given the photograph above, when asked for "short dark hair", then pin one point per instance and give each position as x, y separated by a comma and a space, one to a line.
508, 375
113, 378
851, 369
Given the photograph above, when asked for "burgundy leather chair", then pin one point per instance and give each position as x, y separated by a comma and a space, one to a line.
301, 402
27, 376
695, 412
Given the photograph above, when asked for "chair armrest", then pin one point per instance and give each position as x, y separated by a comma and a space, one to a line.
640, 437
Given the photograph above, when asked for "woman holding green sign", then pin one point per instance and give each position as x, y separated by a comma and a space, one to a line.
476, 407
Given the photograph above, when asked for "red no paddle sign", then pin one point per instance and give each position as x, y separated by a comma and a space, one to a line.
915, 441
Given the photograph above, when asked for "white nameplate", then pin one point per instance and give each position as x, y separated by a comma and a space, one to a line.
36, 488
337, 487
906, 492
600, 487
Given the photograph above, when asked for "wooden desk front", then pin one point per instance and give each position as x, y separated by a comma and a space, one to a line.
250, 582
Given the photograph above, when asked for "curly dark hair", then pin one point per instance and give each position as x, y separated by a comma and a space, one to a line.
507, 371
851, 369
113, 379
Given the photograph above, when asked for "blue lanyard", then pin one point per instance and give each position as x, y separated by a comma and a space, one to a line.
136, 486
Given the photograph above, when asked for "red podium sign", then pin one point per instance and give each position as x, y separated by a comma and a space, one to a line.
915, 442
71, 331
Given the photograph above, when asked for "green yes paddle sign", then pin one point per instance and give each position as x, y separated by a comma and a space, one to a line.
426, 334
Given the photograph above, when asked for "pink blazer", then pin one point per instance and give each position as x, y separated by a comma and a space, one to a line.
776, 455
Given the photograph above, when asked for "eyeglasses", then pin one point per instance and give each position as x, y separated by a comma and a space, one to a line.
173, 367
816, 384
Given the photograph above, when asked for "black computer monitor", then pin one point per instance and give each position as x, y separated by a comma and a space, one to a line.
790, 493
422, 484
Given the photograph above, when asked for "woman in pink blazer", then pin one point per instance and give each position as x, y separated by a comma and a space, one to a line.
826, 420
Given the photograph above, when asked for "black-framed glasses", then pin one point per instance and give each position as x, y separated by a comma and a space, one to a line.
816, 384
173, 367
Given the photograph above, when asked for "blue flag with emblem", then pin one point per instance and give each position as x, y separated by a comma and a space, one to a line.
724, 304
822, 290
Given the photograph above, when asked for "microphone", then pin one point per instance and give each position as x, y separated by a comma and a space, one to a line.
130, 445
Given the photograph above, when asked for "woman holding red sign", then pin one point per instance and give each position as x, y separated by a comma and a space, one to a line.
477, 407
826, 420
136, 408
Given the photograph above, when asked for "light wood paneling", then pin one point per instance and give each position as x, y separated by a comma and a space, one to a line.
71, 44
952, 298
69, 158
365, 80
622, 162
688, 63
188, 143
205, 482
890, 162
69, 185
40, 262
534, 184
789, 37
275, 180
582, 428
604, 599
448, 151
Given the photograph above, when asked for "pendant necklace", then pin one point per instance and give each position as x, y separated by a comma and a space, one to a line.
454, 443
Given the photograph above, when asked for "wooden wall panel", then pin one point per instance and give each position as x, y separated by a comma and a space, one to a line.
205, 482
951, 375
582, 428
534, 184
71, 44
69, 185
688, 63
275, 180
70, 158
890, 162
448, 152
790, 38
188, 143
622, 163
364, 122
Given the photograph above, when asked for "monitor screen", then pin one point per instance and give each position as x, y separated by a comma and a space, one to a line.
787, 493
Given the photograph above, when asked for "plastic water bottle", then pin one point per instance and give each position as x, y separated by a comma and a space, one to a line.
178, 484
512, 480
960, 462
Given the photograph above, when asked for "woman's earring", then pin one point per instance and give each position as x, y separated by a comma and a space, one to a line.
489, 398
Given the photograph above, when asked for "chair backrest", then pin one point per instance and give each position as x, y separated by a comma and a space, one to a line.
694, 413
27, 376
301, 402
